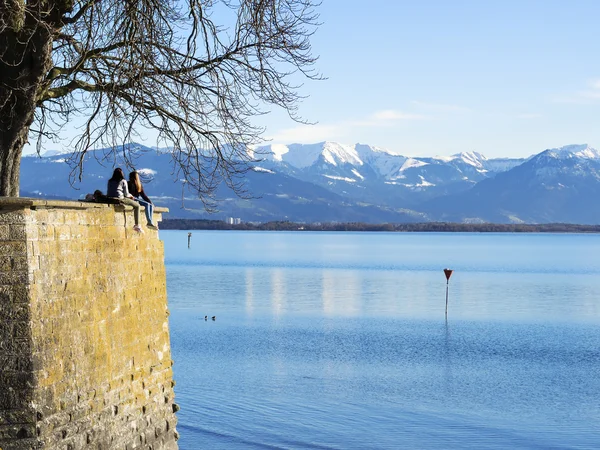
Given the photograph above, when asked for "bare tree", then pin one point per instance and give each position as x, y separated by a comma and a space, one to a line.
196, 71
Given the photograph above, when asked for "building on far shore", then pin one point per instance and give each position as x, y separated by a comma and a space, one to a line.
233, 221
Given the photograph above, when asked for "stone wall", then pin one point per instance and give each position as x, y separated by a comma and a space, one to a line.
85, 358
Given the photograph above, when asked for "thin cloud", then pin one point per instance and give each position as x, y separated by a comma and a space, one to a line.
590, 94
392, 115
308, 134
528, 116
440, 107
587, 96
327, 132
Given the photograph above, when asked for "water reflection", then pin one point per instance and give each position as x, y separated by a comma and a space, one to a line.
278, 288
307, 273
447, 359
249, 290
338, 292
341, 293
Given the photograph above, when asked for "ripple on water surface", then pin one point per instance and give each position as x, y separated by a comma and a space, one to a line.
339, 341
372, 383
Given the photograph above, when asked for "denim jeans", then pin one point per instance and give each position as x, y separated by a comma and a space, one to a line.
149, 207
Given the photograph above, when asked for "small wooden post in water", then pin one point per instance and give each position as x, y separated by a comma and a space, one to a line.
189, 239
448, 273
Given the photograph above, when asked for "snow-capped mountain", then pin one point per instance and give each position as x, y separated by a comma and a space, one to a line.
363, 171
571, 152
49, 153
302, 156
557, 185
329, 181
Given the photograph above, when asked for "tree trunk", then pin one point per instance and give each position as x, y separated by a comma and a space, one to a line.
10, 161
25, 58
17, 107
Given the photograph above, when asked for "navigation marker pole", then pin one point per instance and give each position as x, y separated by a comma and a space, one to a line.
448, 273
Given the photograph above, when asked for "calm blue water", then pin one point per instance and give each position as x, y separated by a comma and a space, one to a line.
339, 340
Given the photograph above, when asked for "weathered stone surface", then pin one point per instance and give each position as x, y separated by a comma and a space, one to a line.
84, 337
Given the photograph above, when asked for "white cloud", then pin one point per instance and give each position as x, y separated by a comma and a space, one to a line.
147, 172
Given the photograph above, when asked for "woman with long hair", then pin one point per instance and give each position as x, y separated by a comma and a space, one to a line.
117, 188
137, 190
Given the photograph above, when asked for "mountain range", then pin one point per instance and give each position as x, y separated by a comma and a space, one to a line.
329, 181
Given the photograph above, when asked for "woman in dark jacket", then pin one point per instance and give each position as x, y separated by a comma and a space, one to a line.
137, 190
117, 188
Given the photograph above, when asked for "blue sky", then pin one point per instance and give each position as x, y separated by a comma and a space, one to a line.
437, 77
504, 78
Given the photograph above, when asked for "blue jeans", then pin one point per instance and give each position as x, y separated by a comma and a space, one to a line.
149, 207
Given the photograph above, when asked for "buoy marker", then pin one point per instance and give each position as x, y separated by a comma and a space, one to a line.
448, 273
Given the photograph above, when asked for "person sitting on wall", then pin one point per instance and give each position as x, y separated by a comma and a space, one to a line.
137, 190
99, 197
117, 188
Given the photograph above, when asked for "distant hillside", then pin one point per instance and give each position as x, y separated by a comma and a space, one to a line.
332, 182
557, 185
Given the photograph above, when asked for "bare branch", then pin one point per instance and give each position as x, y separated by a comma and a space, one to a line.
165, 65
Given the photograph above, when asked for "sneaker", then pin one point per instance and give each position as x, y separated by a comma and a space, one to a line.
152, 226
138, 229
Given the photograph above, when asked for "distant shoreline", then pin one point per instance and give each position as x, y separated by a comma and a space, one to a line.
202, 224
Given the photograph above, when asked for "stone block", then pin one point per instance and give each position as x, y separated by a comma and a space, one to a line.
12, 216
62, 232
34, 248
20, 294
13, 248
21, 263
17, 417
17, 232
14, 278
21, 431
6, 263
4, 232
13, 312
45, 232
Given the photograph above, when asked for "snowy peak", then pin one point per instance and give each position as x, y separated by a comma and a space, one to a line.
583, 151
365, 150
376, 164
277, 151
305, 155
474, 159
410, 163
334, 153
382, 161
50, 153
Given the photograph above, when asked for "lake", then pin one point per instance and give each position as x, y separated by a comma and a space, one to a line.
340, 340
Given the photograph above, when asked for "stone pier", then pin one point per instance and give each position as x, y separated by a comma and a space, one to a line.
85, 360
